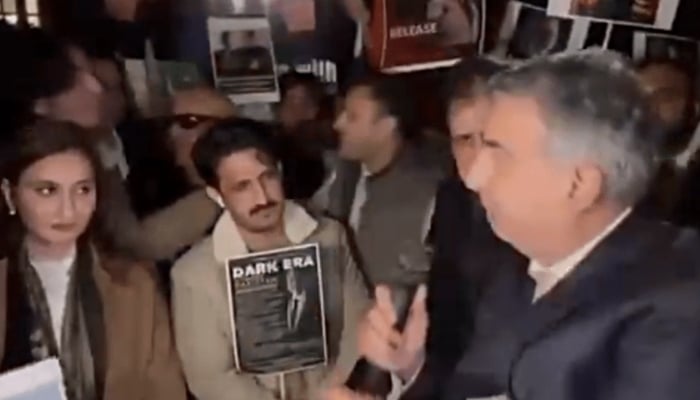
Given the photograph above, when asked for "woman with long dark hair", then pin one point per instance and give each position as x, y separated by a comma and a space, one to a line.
65, 290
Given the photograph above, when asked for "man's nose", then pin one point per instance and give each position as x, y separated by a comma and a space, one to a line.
479, 172
261, 195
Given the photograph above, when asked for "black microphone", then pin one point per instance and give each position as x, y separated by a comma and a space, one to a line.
414, 264
368, 378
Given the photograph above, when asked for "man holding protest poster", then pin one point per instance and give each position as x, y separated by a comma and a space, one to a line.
267, 306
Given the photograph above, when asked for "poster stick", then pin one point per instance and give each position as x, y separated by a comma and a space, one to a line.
608, 34
283, 389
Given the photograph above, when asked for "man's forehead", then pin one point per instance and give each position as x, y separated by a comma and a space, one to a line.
247, 160
360, 98
514, 120
467, 116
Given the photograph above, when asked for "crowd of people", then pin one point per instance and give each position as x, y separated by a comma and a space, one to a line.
556, 218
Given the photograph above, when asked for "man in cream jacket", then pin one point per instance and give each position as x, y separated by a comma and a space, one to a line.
237, 161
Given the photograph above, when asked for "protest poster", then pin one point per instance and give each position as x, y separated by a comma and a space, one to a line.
299, 31
152, 82
658, 14
277, 310
39, 381
527, 31
415, 35
243, 60
661, 46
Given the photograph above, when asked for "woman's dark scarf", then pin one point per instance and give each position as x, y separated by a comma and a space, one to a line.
31, 337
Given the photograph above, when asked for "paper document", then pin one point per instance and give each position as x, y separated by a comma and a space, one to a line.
39, 381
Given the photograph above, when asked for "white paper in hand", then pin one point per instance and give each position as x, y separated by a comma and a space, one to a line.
39, 381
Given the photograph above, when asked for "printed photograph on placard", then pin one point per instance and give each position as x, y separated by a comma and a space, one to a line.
224, 8
277, 310
528, 31
243, 60
457, 22
652, 13
414, 35
659, 46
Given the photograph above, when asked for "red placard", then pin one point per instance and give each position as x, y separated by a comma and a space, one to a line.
413, 35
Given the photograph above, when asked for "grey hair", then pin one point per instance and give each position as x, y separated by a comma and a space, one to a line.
594, 109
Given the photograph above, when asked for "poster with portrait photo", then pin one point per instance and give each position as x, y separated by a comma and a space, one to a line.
242, 58
277, 310
228, 8
527, 31
660, 46
415, 35
658, 14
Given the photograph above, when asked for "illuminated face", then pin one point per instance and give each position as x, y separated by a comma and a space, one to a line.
250, 186
56, 198
361, 126
525, 191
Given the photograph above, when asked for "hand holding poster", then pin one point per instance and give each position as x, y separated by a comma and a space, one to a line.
39, 381
277, 310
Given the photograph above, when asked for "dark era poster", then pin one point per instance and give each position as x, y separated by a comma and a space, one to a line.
277, 310
242, 58
651, 13
413, 35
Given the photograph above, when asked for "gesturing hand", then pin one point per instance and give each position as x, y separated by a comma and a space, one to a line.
381, 344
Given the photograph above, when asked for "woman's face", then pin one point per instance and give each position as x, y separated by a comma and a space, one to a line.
56, 197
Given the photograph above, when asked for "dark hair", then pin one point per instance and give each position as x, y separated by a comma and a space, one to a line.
227, 137
41, 139
97, 39
464, 78
39, 67
394, 99
308, 81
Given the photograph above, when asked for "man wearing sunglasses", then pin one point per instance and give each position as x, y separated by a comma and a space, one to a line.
194, 112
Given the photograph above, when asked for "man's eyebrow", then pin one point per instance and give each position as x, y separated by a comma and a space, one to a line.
490, 143
462, 135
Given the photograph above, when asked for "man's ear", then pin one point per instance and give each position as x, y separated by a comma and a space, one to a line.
41, 107
389, 123
587, 186
215, 196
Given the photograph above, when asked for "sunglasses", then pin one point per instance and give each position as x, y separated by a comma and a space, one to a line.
191, 121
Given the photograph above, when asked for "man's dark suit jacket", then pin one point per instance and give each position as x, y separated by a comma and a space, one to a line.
624, 325
467, 259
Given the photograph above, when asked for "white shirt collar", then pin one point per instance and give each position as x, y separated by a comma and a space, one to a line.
228, 243
547, 277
